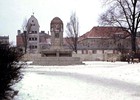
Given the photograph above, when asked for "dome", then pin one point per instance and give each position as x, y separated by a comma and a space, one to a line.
32, 20
56, 20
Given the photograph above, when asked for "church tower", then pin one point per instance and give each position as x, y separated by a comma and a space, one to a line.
33, 35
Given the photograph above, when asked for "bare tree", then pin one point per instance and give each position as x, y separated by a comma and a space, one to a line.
72, 32
26, 29
125, 14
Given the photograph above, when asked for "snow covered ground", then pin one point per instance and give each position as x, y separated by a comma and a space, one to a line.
92, 81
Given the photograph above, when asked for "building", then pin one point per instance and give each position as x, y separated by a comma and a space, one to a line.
32, 40
104, 43
97, 42
4, 39
100, 40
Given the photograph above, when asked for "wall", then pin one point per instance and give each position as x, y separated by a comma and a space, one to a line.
97, 57
83, 57
30, 57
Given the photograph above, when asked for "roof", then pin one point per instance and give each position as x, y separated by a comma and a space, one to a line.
103, 32
56, 20
40, 34
44, 34
4, 37
32, 20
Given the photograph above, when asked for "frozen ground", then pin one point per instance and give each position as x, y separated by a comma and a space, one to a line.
92, 81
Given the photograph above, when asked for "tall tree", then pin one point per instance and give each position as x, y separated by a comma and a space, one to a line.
26, 29
125, 14
72, 32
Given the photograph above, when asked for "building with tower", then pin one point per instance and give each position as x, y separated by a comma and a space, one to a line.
31, 40
33, 34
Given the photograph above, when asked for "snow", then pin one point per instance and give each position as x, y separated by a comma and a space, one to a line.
92, 81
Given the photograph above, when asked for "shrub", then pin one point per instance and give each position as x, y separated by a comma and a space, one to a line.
123, 57
9, 70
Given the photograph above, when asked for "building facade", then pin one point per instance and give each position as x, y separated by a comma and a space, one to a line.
4, 39
100, 40
32, 39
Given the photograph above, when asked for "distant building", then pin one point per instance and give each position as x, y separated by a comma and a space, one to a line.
36, 40
138, 40
100, 40
4, 39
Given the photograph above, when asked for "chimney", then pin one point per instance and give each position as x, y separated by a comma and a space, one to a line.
24, 32
19, 32
42, 31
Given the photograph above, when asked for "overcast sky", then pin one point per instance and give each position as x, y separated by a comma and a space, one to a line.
14, 12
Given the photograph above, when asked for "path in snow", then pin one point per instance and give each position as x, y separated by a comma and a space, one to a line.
103, 81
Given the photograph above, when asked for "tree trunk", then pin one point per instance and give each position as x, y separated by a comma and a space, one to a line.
133, 43
76, 49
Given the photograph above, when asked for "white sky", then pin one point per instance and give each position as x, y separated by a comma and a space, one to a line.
14, 12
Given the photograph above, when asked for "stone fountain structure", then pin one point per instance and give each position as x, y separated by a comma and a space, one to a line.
57, 54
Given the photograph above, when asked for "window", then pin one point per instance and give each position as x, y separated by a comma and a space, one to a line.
29, 39
35, 46
35, 38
